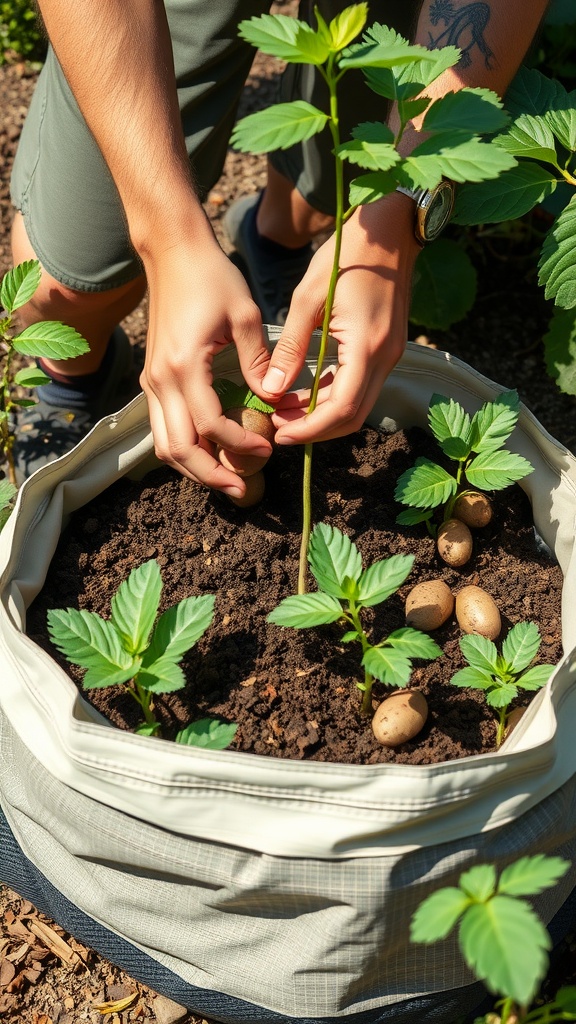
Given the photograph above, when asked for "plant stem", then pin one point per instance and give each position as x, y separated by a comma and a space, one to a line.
354, 619
334, 126
142, 697
6, 438
501, 731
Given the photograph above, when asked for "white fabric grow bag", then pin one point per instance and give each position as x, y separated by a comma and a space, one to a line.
319, 865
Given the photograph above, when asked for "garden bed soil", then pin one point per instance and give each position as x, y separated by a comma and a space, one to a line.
293, 692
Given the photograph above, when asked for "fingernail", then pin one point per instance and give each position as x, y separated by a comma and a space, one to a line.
274, 380
234, 492
284, 439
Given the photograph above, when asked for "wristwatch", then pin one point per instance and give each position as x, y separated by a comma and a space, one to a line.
433, 209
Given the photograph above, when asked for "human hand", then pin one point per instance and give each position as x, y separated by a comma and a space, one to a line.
369, 322
199, 303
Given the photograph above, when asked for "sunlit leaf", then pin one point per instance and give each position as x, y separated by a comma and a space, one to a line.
506, 197
535, 678
494, 470
135, 605
371, 147
389, 665
162, 676
332, 557
521, 645
425, 485
93, 643
446, 156
479, 882
447, 418
50, 340
284, 37
494, 422
531, 138
278, 127
480, 652
414, 643
438, 914
347, 25
19, 285
178, 629
529, 876
31, 377
562, 122
384, 54
383, 578
368, 188
476, 111
476, 678
210, 733
502, 695
558, 259
301, 611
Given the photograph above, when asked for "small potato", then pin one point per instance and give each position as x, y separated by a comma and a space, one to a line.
476, 612
454, 542
513, 719
260, 423
474, 509
255, 487
400, 717
429, 605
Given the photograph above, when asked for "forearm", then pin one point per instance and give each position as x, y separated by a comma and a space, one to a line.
117, 58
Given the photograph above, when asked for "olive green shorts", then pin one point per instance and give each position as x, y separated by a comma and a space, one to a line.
62, 186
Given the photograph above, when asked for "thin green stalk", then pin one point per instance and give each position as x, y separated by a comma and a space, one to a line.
142, 697
354, 619
501, 731
6, 438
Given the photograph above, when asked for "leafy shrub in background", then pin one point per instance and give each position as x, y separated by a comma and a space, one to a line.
20, 31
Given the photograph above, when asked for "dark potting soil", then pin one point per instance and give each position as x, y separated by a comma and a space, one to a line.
293, 693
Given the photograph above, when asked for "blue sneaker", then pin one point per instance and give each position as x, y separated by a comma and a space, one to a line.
63, 415
271, 270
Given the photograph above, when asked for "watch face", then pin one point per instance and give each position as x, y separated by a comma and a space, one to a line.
435, 215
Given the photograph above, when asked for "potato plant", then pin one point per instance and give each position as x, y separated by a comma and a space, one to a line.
345, 589
129, 649
501, 676
500, 936
400, 72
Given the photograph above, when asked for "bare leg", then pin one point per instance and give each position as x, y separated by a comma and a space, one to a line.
285, 216
93, 314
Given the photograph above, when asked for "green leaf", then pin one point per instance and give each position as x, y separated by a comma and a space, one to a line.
50, 339
531, 138
253, 402
492, 471
286, 38
477, 679
494, 422
414, 643
475, 111
7, 492
135, 605
558, 259
178, 629
383, 578
412, 516
479, 882
560, 349
24, 403
521, 645
387, 664
566, 1001
147, 729
19, 285
531, 92
446, 155
443, 285
347, 25
438, 914
505, 944
529, 876
368, 188
31, 377
407, 108
332, 557
420, 72
425, 485
535, 678
479, 652
93, 643
210, 733
350, 636
562, 121
301, 611
507, 197
278, 127
162, 676
502, 695
447, 419
371, 147
389, 54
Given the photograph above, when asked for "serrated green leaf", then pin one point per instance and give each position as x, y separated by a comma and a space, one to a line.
301, 611
531, 92
347, 25
473, 110
560, 349
531, 138
178, 628
409, 108
253, 402
162, 676
425, 485
368, 188
477, 679
447, 418
492, 471
443, 285
350, 636
445, 155
412, 516
147, 729
419, 72
511, 195
558, 259
371, 147
535, 678
93, 643
562, 121
278, 127
505, 944
521, 645
135, 605
479, 882
231, 395
565, 1001
388, 664
332, 557
389, 54
438, 914
50, 339
479, 652
7, 492
502, 695
529, 876
494, 422
383, 578
415, 643
284, 37
31, 377
19, 285
210, 733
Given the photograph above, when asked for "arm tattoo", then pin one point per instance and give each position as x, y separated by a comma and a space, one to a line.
464, 28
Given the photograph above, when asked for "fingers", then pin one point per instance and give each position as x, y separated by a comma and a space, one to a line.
290, 351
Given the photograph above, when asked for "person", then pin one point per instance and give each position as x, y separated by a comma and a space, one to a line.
127, 132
